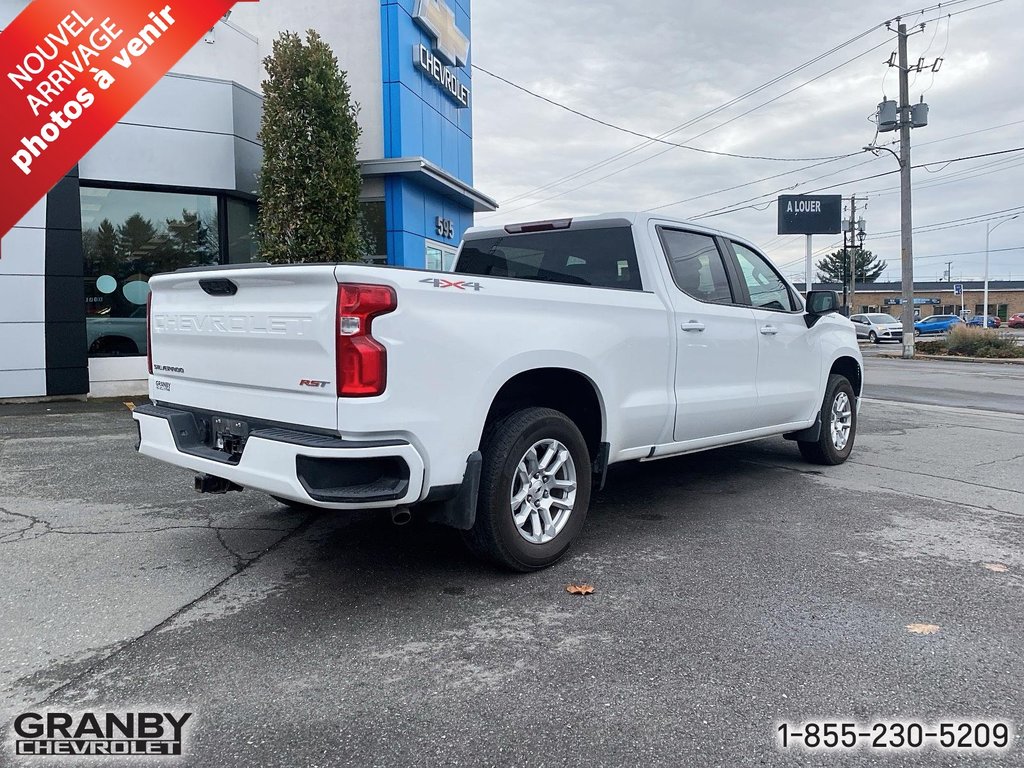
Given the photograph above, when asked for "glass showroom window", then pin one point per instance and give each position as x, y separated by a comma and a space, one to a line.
374, 232
129, 236
241, 217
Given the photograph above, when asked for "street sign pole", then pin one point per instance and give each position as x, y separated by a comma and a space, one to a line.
809, 266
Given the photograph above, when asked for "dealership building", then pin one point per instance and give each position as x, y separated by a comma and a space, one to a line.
174, 183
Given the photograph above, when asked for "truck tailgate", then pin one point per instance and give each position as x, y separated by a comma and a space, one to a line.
254, 342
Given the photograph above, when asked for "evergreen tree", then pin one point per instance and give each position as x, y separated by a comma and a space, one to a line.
310, 181
835, 267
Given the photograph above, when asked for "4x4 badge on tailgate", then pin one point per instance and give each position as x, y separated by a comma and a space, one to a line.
460, 284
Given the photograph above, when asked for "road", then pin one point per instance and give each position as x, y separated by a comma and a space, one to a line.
734, 590
984, 386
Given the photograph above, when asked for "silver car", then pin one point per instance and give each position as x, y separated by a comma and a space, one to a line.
877, 328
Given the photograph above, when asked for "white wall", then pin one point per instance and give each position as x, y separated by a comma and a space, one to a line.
352, 28
22, 307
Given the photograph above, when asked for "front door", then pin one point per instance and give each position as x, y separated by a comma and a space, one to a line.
716, 362
789, 360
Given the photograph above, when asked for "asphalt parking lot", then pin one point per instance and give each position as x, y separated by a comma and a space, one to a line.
734, 590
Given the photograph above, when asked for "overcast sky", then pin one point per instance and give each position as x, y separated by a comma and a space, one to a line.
654, 65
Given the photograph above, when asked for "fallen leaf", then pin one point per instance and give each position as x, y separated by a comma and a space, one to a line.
579, 589
923, 629
130, 405
996, 567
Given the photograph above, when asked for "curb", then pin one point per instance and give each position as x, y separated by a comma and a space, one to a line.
954, 358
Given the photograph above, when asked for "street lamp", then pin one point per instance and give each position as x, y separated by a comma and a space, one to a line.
988, 233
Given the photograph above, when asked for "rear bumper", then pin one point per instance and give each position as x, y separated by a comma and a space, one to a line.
315, 469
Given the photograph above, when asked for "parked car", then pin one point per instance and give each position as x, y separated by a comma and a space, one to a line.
989, 321
936, 324
1016, 321
493, 398
877, 328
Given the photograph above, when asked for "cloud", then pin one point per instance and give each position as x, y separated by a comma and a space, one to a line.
656, 65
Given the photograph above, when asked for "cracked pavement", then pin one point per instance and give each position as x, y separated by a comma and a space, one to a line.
734, 590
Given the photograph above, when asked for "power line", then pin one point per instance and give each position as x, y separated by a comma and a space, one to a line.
673, 145
645, 136
722, 212
939, 226
703, 116
704, 133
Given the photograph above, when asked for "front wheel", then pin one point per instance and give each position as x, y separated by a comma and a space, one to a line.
534, 490
873, 337
838, 425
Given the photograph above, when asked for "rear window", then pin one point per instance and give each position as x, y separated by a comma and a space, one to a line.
604, 258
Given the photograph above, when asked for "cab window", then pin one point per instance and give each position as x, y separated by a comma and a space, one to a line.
767, 289
697, 266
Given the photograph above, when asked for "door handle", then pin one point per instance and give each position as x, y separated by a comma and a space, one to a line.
769, 330
693, 325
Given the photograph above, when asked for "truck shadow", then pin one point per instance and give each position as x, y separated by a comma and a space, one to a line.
675, 493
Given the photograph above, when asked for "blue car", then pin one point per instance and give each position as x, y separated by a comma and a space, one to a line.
936, 324
989, 321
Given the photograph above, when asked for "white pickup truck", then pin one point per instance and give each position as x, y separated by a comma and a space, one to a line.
493, 398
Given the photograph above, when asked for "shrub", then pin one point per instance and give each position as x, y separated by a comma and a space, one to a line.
310, 181
981, 342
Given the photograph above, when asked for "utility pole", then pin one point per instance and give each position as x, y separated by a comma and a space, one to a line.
949, 272
854, 233
905, 116
906, 213
853, 249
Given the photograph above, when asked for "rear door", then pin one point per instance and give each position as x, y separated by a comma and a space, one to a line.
789, 356
253, 342
716, 363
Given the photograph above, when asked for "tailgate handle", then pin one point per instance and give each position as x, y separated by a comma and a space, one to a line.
219, 287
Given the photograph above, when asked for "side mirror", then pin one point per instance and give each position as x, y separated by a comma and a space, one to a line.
820, 303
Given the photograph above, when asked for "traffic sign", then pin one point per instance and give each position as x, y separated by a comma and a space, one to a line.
810, 214
958, 289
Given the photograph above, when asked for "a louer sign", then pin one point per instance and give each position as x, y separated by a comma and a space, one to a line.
810, 214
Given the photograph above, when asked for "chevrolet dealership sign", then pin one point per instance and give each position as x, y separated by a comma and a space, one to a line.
451, 47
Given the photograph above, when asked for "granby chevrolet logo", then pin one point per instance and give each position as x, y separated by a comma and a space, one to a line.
121, 734
451, 47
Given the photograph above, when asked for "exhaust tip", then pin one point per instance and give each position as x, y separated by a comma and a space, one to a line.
401, 516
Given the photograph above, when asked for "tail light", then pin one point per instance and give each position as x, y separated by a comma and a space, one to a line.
362, 360
149, 331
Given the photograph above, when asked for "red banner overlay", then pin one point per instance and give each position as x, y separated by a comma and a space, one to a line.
70, 69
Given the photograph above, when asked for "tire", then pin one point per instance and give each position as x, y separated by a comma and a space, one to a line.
510, 447
873, 337
916, 333
826, 450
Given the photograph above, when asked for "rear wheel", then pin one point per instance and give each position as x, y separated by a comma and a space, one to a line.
534, 490
838, 424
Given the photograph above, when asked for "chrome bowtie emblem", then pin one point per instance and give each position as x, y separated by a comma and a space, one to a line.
439, 22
